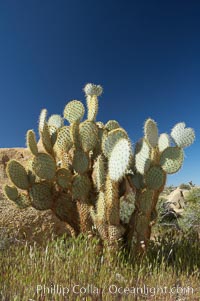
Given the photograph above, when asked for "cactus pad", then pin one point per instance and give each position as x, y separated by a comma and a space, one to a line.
74, 111
112, 125
127, 207
101, 207
109, 140
92, 106
56, 121
81, 186
64, 206
66, 161
100, 124
44, 166
74, 134
155, 177
17, 174
151, 132
31, 142
171, 159
120, 159
42, 119
46, 138
41, 196
138, 181
182, 136
64, 178
115, 232
91, 89
102, 230
163, 142
112, 201
10, 192
32, 177
88, 131
53, 134
63, 141
142, 156
99, 172
146, 201
22, 201
80, 161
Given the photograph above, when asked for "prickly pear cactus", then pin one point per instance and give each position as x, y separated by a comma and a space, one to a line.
91, 178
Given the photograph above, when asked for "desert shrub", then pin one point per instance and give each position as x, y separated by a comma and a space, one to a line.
185, 186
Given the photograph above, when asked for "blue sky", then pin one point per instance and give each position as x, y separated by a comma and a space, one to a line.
146, 55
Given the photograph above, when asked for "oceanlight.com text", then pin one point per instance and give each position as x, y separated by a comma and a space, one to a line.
113, 289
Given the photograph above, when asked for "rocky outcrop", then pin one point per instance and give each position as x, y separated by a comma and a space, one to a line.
21, 154
175, 201
27, 224
173, 207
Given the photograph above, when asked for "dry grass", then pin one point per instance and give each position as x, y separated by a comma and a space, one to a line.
76, 269
32, 272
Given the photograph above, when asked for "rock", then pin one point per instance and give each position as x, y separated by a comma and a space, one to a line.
27, 224
20, 154
176, 201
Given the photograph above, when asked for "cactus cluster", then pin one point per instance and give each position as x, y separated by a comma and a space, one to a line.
88, 170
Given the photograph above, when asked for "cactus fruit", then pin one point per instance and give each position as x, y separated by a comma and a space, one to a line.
90, 177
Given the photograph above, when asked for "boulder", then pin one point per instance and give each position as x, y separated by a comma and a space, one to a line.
27, 224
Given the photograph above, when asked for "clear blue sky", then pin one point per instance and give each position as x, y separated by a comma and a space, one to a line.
146, 55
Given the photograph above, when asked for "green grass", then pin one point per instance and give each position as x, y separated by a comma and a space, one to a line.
80, 264
194, 195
